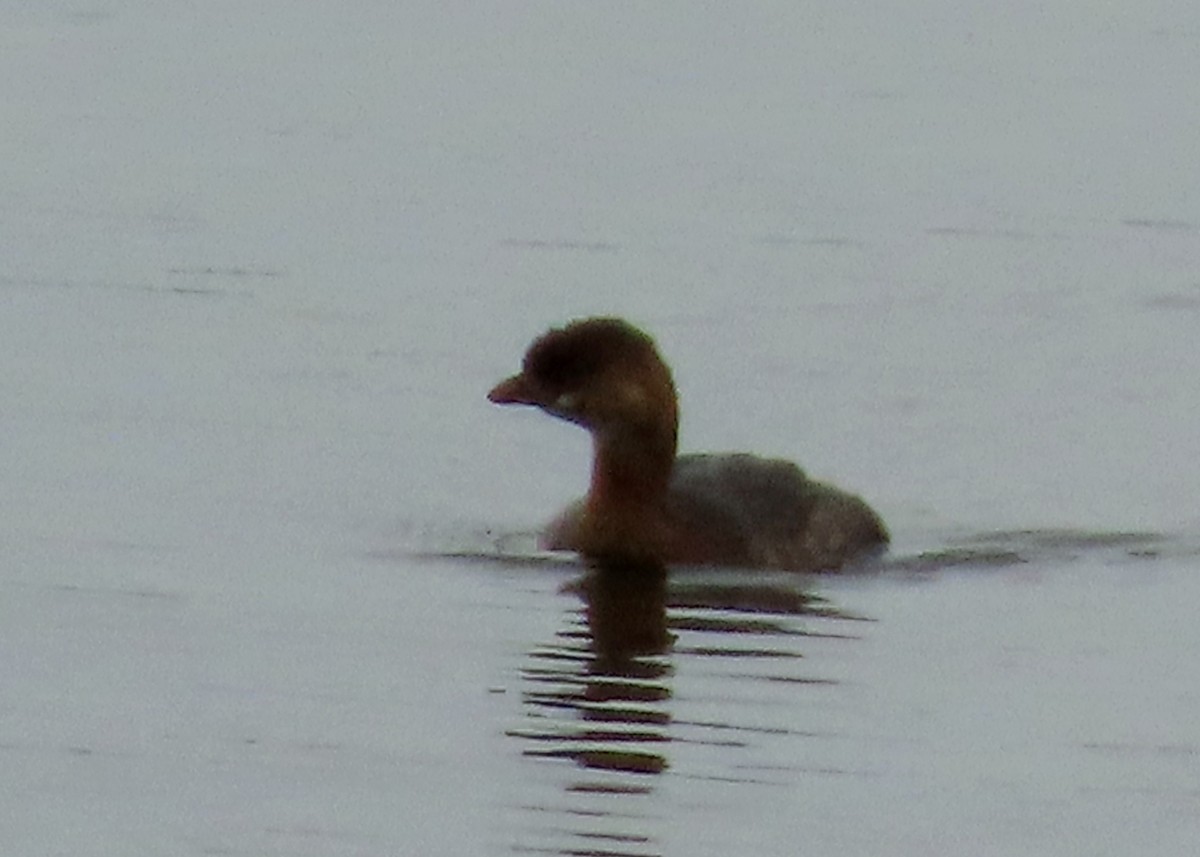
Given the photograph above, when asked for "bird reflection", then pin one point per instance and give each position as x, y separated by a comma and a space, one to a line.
626, 610
602, 694
608, 668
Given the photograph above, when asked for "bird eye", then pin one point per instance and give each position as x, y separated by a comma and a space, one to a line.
563, 367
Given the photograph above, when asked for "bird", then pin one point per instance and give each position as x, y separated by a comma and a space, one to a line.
647, 505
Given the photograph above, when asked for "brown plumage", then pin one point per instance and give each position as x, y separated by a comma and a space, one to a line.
646, 505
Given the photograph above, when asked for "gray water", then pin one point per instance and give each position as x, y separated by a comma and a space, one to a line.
267, 583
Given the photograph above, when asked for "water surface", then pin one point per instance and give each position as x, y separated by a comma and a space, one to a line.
266, 584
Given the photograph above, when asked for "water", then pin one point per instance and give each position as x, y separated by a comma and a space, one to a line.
990, 710
267, 581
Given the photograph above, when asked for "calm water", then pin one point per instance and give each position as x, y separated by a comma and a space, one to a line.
913, 709
267, 584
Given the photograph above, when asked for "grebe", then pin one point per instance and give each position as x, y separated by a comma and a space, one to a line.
644, 504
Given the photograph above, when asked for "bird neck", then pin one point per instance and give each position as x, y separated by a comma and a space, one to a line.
631, 469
